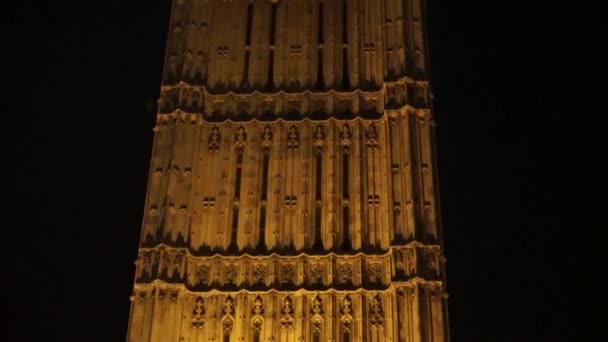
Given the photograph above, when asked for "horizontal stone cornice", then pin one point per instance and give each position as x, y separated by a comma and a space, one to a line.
293, 106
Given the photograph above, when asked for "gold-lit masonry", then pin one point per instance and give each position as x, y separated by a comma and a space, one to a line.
292, 192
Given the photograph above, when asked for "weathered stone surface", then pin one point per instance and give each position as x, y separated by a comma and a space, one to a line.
292, 194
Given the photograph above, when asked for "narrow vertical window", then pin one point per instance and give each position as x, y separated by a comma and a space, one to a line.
263, 197
346, 336
316, 337
345, 180
344, 22
245, 78
226, 337
235, 226
265, 162
346, 241
237, 192
320, 24
249, 23
318, 187
320, 40
261, 242
318, 175
273, 25
345, 75
237, 179
273, 22
346, 245
318, 241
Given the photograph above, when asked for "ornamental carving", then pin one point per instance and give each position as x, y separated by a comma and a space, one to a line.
178, 259
230, 274
293, 138
203, 272
399, 260
376, 315
319, 137
241, 134
165, 259
228, 320
173, 295
433, 261
259, 274
227, 325
410, 257
258, 306
316, 306
316, 309
258, 311
371, 136
146, 261
317, 271
345, 136
345, 273
228, 306
141, 296
214, 139
287, 319
375, 272
346, 308
288, 273
198, 313
370, 103
266, 137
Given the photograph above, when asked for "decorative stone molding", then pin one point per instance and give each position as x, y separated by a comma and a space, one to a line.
287, 318
198, 313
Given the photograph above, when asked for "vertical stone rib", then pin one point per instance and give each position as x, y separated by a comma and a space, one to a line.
397, 205
368, 41
215, 217
299, 181
205, 44
427, 177
215, 27
357, 190
155, 178
328, 27
223, 212
274, 191
333, 198
136, 323
288, 196
280, 76
385, 208
389, 39
260, 44
400, 38
418, 38
353, 44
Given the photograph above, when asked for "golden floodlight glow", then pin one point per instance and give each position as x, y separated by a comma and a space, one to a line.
292, 193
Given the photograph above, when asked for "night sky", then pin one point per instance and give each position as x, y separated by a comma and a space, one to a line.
518, 141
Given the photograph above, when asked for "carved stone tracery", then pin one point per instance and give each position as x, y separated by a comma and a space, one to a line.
377, 313
287, 318
198, 313
347, 161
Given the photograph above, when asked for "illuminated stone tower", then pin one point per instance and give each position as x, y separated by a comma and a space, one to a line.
293, 191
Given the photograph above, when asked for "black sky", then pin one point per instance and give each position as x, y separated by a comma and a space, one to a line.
518, 137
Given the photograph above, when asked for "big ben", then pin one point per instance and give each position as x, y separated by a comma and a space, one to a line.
292, 192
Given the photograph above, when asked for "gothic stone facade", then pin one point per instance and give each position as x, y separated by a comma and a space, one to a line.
292, 192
